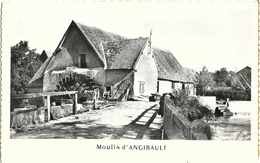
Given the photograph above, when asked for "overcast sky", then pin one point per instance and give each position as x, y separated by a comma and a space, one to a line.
198, 34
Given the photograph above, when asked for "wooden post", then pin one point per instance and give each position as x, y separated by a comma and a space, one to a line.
94, 99
75, 103
48, 108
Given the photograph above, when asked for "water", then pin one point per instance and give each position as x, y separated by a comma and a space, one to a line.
236, 127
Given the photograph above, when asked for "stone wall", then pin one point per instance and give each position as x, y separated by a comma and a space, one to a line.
24, 117
20, 118
175, 122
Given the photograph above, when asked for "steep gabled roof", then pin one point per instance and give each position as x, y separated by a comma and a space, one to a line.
168, 66
116, 52
55, 62
244, 77
40, 72
45, 54
48, 53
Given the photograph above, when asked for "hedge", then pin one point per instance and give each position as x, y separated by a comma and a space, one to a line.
234, 95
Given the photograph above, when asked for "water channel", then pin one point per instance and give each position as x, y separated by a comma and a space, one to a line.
236, 127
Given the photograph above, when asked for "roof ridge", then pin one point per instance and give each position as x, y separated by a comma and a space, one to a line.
96, 28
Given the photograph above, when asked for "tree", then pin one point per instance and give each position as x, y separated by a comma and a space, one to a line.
205, 81
221, 76
24, 64
228, 80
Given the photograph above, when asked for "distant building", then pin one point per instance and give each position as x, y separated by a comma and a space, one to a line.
242, 79
45, 55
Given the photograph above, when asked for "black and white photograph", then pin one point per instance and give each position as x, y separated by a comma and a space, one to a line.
106, 78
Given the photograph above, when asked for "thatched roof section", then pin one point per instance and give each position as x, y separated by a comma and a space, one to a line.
115, 51
168, 66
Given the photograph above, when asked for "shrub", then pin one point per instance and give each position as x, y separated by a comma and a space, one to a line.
235, 95
191, 107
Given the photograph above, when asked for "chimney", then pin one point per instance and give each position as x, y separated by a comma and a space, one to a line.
150, 43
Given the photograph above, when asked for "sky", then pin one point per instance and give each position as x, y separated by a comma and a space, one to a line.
214, 35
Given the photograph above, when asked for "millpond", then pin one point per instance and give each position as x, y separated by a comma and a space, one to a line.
235, 127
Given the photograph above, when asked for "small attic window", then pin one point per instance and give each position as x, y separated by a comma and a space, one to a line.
82, 61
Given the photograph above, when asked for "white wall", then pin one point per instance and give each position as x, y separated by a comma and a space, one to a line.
146, 71
208, 101
165, 87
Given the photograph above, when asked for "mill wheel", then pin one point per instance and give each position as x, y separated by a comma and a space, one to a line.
83, 84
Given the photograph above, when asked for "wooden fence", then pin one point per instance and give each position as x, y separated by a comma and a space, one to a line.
175, 121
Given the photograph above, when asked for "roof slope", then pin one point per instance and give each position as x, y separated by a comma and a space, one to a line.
45, 55
244, 77
40, 72
168, 66
56, 62
116, 52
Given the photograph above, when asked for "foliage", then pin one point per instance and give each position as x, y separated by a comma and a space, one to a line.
238, 95
191, 106
205, 81
24, 64
220, 76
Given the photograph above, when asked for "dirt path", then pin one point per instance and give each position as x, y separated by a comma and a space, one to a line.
125, 120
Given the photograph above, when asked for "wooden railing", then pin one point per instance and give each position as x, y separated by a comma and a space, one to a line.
172, 119
175, 121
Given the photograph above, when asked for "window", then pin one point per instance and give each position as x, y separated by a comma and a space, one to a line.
82, 61
141, 87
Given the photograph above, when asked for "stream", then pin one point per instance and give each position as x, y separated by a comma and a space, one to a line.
236, 127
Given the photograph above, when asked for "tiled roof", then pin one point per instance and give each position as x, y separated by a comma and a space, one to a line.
115, 51
168, 66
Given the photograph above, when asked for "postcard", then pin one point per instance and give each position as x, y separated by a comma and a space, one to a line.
129, 82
